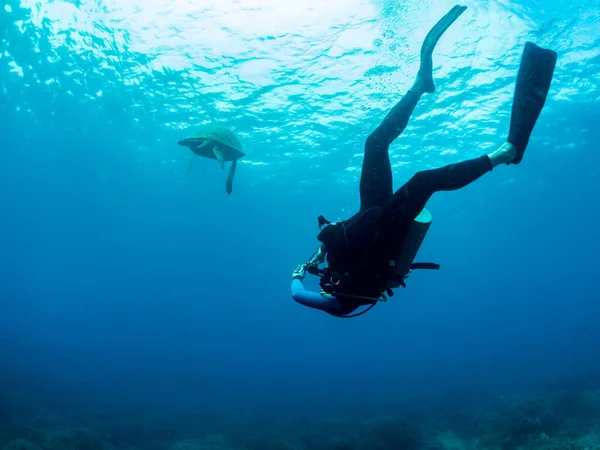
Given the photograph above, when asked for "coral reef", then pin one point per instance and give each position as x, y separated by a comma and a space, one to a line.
568, 419
21, 444
74, 439
13, 431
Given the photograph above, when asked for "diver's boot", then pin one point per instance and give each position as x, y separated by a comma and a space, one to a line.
504, 155
424, 82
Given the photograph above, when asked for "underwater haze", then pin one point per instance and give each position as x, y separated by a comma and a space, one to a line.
133, 287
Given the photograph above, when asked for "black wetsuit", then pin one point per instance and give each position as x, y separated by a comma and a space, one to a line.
366, 242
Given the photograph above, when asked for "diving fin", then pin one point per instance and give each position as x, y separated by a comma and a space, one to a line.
432, 38
220, 157
191, 163
531, 90
229, 182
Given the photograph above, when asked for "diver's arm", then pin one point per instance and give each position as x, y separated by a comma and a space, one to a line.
313, 299
310, 298
318, 257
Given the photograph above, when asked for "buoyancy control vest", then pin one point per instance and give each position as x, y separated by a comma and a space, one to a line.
368, 273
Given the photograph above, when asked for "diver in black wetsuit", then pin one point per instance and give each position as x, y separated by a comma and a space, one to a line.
361, 250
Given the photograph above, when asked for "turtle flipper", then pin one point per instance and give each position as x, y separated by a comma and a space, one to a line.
191, 163
220, 155
229, 182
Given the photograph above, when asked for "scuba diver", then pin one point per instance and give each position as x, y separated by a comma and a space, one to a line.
373, 251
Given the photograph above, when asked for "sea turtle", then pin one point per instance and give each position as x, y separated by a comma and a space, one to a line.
216, 142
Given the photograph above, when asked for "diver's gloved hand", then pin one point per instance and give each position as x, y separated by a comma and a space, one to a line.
300, 272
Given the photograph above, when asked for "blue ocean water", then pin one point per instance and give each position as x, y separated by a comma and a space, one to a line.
128, 281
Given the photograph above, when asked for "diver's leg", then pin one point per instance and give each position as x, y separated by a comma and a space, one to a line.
533, 83
408, 201
376, 174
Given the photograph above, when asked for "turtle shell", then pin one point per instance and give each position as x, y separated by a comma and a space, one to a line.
222, 137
